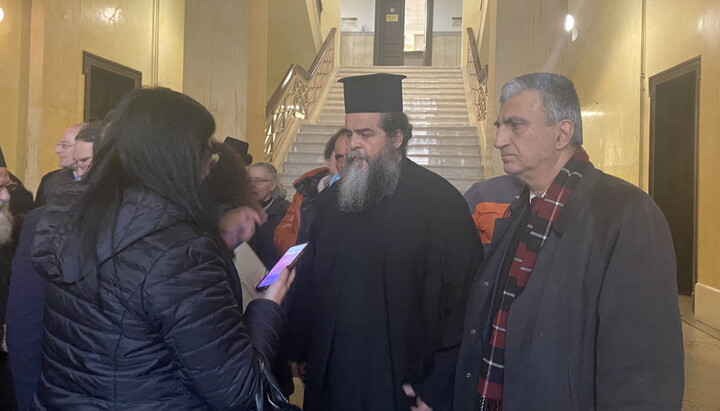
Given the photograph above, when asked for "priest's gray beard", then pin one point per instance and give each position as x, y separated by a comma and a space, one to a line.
360, 188
6, 222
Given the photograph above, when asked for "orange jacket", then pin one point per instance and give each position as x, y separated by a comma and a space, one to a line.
287, 230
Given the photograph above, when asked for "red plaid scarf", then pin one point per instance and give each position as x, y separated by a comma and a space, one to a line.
544, 211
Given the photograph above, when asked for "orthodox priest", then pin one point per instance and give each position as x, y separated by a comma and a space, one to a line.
386, 278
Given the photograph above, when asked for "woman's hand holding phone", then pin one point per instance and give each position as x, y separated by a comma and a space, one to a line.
277, 290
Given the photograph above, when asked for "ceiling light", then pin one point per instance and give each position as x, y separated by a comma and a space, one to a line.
2, 14
569, 22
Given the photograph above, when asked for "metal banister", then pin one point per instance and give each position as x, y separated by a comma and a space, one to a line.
295, 99
478, 77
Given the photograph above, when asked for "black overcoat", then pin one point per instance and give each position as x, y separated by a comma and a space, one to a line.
424, 246
597, 326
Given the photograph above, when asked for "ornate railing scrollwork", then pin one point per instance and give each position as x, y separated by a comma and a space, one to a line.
295, 99
478, 77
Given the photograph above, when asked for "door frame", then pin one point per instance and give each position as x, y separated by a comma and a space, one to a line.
429, 11
689, 66
379, 31
92, 60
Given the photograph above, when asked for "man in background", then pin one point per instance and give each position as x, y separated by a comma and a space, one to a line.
87, 144
488, 201
295, 224
66, 173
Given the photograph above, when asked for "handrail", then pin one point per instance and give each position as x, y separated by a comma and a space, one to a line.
478, 77
295, 99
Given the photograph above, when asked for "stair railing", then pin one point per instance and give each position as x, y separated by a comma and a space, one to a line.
295, 99
478, 77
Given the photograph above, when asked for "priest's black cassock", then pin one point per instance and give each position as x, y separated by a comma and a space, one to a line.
381, 296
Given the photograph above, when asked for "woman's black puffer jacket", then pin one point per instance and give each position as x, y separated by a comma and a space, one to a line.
154, 326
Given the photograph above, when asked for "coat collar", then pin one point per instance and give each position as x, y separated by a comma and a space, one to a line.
574, 203
577, 199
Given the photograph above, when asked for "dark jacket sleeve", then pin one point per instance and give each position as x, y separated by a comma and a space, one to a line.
460, 258
24, 317
188, 294
21, 200
639, 358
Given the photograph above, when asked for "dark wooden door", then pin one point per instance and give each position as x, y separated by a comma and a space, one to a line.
389, 32
674, 105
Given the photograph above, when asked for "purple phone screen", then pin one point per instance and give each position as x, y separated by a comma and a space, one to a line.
285, 261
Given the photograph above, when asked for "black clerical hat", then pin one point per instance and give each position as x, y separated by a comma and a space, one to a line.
373, 93
2, 159
238, 145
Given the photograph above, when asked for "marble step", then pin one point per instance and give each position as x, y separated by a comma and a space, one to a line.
472, 160
446, 171
408, 104
449, 130
412, 82
320, 133
416, 119
414, 148
419, 89
406, 70
407, 108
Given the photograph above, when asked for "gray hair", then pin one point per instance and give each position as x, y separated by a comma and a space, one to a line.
279, 191
560, 100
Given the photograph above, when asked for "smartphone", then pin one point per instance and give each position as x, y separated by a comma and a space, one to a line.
288, 260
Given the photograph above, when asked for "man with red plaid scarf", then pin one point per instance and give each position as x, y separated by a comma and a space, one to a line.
575, 307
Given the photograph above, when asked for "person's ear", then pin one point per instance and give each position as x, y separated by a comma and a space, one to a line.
397, 139
566, 129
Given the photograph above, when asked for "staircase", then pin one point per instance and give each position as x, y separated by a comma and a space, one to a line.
434, 99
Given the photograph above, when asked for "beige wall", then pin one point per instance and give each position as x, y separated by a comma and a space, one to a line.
446, 49
290, 40
708, 304
329, 19
472, 16
43, 74
616, 105
607, 79
216, 62
14, 49
257, 79
356, 48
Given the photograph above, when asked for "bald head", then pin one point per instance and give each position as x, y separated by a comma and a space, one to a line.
64, 147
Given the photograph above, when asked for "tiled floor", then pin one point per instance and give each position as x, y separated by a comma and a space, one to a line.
702, 361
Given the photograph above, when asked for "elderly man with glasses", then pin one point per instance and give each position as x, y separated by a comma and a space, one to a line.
66, 173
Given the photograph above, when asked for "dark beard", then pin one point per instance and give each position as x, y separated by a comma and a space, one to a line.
360, 189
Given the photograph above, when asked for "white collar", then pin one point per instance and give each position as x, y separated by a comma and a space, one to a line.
533, 195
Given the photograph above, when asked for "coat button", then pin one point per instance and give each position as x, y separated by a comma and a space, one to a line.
468, 375
485, 283
473, 331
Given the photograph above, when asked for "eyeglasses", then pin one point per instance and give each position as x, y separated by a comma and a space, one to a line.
339, 157
64, 145
11, 186
259, 180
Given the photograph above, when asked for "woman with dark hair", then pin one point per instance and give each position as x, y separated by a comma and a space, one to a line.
139, 314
